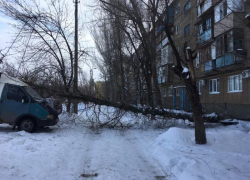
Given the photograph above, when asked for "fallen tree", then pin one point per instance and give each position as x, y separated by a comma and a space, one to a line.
135, 109
128, 107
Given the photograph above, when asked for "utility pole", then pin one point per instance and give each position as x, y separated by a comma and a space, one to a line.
75, 87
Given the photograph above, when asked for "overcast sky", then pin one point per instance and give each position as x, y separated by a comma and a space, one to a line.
86, 14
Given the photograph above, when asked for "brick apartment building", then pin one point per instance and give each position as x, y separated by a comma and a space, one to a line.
220, 32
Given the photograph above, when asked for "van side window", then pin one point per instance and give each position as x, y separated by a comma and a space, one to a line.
15, 93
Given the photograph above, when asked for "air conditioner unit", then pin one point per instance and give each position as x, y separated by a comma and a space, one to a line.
203, 82
246, 74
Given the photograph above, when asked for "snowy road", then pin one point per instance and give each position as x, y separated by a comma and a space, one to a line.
76, 153
119, 155
67, 153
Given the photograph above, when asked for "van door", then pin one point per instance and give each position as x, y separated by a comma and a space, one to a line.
15, 102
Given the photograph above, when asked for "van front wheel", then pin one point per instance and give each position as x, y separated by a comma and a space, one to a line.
27, 125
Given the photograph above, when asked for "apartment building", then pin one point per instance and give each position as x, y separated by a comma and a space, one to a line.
183, 30
219, 30
222, 65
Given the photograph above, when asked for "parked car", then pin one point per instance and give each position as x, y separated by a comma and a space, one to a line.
22, 106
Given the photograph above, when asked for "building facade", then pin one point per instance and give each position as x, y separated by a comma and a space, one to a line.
219, 31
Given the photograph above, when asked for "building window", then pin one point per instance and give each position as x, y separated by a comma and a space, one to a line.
178, 8
187, 29
221, 10
226, 7
235, 83
166, 55
177, 29
214, 86
205, 31
203, 6
226, 44
164, 93
170, 92
197, 61
162, 74
187, 6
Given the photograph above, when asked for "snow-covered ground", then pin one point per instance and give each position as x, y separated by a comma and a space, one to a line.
67, 153
71, 150
225, 156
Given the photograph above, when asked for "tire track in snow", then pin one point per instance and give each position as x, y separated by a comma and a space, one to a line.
113, 155
141, 148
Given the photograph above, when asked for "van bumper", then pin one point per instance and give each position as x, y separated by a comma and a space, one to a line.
47, 122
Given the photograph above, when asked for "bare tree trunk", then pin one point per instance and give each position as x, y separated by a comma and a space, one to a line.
194, 97
200, 132
69, 100
69, 105
118, 22
153, 63
123, 97
156, 85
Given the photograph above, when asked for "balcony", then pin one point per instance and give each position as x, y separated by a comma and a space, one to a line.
161, 80
231, 21
223, 61
207, 35
165, 77
226, 60
170, 20
203, 7
210, 65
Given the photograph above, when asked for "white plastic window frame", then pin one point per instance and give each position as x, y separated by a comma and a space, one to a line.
240, 83
217, 86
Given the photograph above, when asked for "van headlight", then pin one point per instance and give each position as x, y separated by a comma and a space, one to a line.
50, 117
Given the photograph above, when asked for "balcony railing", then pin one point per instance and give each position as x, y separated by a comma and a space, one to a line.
223, 61
207, 35
226, 60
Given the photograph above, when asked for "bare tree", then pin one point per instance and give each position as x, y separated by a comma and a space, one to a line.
137, 27
188, 76
45, 38
135, 12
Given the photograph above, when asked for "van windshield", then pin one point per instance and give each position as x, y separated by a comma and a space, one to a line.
33, 93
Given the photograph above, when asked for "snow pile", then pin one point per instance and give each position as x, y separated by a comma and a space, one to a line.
212, 115
225, 156
243, 126
185, 70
